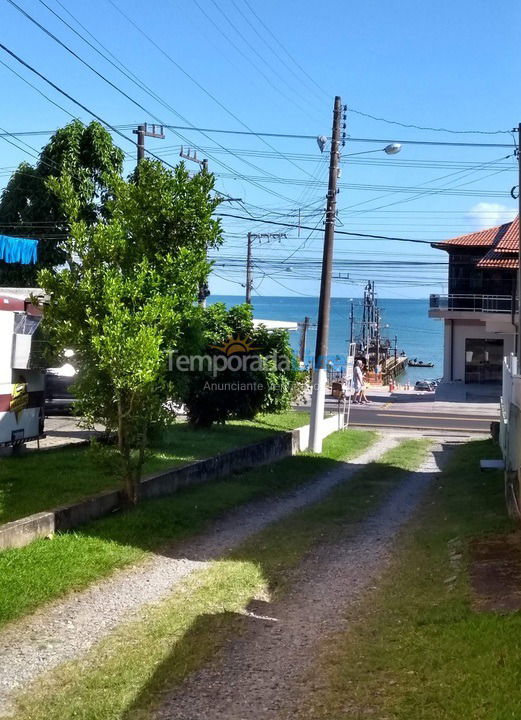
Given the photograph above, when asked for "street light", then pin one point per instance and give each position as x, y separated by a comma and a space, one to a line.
318, 396
391, 149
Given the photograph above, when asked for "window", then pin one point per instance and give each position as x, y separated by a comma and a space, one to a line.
483, 360
26, 324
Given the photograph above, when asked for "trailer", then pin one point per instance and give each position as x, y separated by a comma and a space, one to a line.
21, 385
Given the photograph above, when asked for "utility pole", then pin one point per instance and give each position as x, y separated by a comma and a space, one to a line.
249, 257
142, 131
203, 164
395, 348
204, 290
249, 268
377, 357
303, 338
351, 323
518, 153
319, 372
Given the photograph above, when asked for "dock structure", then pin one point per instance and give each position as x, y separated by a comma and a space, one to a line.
393, 367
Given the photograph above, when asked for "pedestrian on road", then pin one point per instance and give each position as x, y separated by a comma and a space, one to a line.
359, 397
358, 381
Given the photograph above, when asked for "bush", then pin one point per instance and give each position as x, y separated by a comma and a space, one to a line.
245, 371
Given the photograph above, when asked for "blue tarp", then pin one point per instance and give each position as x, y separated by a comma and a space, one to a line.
18, 250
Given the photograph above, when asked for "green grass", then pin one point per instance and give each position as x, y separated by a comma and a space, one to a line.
46, 569
123, 677
39, 481
420, 651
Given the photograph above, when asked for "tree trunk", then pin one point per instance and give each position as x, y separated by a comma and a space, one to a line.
125, 450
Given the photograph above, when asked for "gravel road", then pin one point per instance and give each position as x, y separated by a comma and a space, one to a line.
265, 670
69, 627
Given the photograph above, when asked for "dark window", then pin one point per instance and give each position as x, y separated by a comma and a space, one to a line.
483, 360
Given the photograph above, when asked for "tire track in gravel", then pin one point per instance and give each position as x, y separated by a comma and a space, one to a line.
67, 628
264, 670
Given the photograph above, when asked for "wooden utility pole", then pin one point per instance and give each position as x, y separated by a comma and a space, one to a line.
319, 374
304, 327
249, 268
377, 356
518, 153
142, 131
204, 290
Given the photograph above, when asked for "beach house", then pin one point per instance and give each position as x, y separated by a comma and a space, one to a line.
479, 311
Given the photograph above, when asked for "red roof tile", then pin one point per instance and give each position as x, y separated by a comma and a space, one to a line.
502, 237
494, 259
510, 240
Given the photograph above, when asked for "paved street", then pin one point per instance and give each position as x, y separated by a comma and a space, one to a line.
392, 417
61, 430
422, 411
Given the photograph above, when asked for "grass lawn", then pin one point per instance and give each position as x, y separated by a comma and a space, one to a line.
39, 481
46, 569
123, 677
421, 651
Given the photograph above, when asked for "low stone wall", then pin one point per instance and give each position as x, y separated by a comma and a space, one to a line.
21, 532
167, 482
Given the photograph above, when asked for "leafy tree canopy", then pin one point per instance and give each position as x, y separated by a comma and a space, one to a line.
130, 297
30, 206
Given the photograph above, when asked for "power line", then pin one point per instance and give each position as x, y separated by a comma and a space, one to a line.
427, 191
107, 124
270, 46
273, 86
122, 92
383, 141
34, 87
423, 127
297, 64
447, 191
384, 188
337, 232
198, 84
123, 69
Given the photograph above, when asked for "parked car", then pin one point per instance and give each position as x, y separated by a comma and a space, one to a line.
425, 385
57, 388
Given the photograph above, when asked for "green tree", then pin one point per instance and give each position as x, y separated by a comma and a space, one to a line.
130, 297
30, 207
263, 378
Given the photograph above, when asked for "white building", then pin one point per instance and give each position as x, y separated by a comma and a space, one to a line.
479, 312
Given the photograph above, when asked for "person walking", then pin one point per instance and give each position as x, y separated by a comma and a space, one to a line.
358, 381
359, 396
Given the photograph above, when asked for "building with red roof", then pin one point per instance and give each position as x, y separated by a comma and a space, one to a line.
479, 311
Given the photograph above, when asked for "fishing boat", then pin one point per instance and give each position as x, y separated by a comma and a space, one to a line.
419, 363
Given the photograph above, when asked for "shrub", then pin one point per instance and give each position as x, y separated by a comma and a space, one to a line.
248, 370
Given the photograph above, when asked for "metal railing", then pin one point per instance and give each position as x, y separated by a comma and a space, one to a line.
472, 303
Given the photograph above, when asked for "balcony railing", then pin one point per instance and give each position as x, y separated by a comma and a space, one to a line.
472, 303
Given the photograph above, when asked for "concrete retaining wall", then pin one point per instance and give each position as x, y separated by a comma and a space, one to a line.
21, 532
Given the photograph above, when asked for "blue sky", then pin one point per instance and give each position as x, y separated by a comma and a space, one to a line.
443, 65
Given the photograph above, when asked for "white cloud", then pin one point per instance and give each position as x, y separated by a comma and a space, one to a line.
486, 215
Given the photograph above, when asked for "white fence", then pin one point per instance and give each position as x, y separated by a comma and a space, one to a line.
510, 433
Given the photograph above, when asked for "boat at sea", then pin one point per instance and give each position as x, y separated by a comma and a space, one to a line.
420, 363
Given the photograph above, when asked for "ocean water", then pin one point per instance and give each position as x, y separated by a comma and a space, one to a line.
418, 335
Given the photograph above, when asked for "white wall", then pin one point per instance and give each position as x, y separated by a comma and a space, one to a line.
6, 345
462, 331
